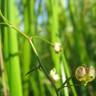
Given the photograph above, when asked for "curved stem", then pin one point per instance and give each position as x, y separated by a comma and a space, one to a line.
48, 42
63, 85
33, 47
33, 37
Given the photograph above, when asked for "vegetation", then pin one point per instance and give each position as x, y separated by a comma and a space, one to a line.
47, 48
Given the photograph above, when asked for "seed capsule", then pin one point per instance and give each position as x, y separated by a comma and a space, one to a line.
80, 73
91, 73
85, 73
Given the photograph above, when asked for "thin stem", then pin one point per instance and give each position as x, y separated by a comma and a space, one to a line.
33, 37
34, 49
11, 26
2, 69
41, 65
48, 42
37, 67
70, 85
63, 85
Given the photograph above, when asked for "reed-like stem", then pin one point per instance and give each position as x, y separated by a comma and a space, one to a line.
35, 51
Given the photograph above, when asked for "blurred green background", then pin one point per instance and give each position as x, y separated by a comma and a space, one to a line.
69, 23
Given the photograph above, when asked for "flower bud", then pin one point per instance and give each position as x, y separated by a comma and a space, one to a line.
57, 47
54, 75
91, 74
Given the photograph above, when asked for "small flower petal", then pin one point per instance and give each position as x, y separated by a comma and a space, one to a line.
57, 47
53, 75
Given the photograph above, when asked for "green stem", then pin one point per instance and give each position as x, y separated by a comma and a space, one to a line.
34, 49
33, 37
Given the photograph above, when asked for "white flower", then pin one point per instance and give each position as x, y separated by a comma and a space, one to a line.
57, 47
53, 75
